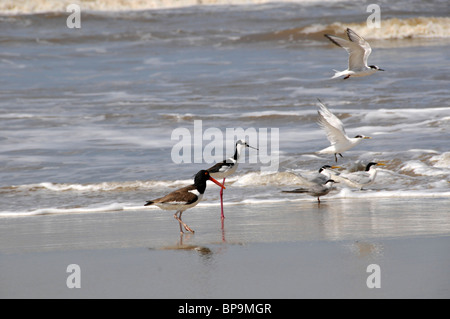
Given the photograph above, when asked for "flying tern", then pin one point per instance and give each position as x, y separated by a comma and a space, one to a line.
358, 50
335, 131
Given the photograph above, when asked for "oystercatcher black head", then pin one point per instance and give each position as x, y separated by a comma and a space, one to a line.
201, 178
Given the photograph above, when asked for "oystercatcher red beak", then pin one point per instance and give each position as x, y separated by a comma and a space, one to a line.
216, 182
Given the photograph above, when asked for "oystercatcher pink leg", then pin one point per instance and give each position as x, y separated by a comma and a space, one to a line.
179, 221
182, 223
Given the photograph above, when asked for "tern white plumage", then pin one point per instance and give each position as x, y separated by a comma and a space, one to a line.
335, 131
362, 178
359, 51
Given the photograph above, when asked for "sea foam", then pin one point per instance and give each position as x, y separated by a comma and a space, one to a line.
394, 28
41, 6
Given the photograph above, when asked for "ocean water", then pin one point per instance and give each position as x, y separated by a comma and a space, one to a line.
89, 117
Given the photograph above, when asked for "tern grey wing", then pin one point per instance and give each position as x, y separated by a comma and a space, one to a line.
359, 177
313, 190
330, 117
362, 43
340, 42
354, 49
319, 179
298, 190
332, 125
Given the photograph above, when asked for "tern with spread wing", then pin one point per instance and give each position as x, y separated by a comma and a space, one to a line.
334, 128
359, 51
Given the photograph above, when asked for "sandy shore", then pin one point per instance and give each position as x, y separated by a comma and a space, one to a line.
289, 250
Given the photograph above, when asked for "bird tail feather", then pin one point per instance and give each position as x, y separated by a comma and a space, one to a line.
338, 74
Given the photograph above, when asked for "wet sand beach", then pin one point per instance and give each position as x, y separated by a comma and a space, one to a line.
293, 250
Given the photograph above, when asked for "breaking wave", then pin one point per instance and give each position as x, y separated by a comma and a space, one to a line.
96, 187
395, 28
419, 27
419, 177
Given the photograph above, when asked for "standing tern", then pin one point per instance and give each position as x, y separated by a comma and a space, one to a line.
334, 128
185, 197
362, 178
315, 189
358, 50
227, 167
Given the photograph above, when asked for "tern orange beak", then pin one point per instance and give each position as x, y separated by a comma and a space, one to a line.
216, 182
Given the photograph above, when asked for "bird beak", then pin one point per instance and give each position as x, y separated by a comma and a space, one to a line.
380, 69
367, 137
253, 147
216, 182
381, 164
336, 167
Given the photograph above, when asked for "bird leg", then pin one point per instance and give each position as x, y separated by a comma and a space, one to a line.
182, 223
335, 157
179, 221
222, 216
318, 201
346, 77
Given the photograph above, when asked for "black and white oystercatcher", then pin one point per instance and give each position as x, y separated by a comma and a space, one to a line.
185, 198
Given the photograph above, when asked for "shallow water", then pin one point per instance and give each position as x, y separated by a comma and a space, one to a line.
87, 115
355, 219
